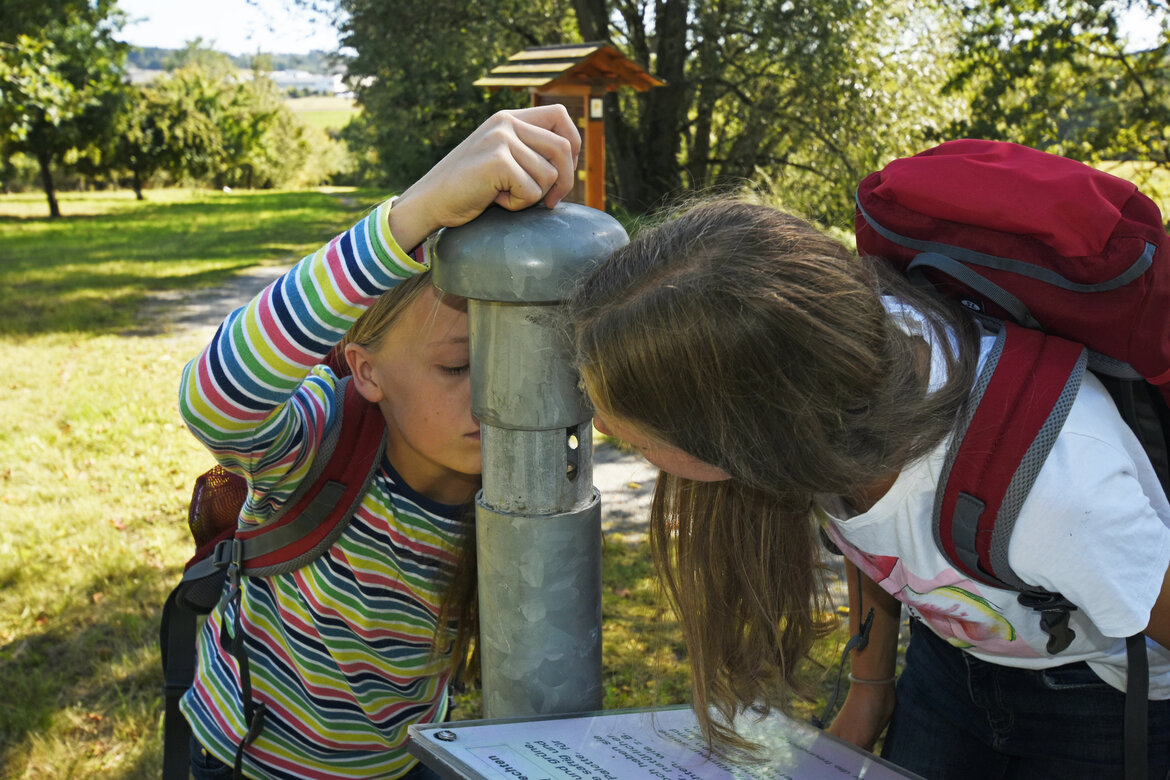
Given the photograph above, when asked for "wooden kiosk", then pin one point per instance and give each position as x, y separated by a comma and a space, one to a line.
577, 76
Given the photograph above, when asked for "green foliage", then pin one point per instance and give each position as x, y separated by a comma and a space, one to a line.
414, 76
1061, 76
60, 68
142, 142
156, 58
34, 90
202, 123
198, 56
802, 100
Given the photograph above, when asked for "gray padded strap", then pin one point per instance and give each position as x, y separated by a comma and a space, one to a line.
318, 510
1025, 477
967, 509
1139, 266
989, 290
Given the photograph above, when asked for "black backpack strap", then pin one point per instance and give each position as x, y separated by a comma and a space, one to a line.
233, 643
177, 644
197, 593
308, 525
1137, 693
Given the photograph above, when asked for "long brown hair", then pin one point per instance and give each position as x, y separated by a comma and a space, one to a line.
751, 340
457, 626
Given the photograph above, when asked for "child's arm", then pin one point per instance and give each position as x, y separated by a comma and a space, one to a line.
235, 396
870, 701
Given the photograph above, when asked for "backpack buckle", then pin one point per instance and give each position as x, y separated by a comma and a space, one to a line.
226, 553
229, 553
1054, 611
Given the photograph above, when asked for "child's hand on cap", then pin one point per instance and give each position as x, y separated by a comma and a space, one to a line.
514, 159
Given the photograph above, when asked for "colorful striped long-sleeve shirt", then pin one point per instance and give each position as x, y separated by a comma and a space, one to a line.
340, 651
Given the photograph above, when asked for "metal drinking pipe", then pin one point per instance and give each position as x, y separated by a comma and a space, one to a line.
538, 515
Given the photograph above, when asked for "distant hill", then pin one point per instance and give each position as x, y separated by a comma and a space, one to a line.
318, 62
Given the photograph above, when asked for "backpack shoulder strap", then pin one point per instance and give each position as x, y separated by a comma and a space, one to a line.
316, 514
1017, 408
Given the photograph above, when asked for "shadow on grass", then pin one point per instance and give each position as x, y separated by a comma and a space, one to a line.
92, 273
87, 676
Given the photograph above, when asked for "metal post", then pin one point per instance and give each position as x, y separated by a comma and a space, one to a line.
538, 516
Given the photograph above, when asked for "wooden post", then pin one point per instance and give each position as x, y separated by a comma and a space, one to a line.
595, 152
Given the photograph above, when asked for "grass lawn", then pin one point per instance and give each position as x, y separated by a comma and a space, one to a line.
95, 466
327, 112
96, 471
89, 272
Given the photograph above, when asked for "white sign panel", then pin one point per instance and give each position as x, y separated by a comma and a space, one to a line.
663, 744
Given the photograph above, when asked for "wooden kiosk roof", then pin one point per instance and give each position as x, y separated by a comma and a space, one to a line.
596, 65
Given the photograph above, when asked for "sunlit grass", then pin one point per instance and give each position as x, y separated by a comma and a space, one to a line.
327, 112
95, 473
95, 466
89, 271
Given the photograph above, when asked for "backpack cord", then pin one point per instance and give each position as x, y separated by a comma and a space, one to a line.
234, 644
858, 642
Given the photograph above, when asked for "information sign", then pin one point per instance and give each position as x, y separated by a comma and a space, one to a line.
658, 744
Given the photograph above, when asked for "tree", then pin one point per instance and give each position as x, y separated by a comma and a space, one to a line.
1062, 76
142, 142
803, 96
205, 122
414, 76
34, 98
60, 68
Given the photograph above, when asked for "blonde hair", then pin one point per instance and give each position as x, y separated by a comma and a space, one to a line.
369, 328
459, 605
750, 340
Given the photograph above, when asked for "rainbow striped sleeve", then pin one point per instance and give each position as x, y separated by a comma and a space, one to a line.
240, 395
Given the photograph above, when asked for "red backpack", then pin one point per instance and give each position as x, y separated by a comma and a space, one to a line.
1060, 257
303, 528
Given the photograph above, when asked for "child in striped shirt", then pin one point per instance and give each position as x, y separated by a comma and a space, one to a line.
348, 651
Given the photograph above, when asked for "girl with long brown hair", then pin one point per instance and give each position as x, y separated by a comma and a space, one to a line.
784, 385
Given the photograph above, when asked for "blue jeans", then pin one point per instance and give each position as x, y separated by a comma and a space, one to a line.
958, 717
205, 766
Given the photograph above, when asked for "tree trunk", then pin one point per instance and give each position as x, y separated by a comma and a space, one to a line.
621, 155
592, 19
660, 129
45, 160
137, 185
710, 67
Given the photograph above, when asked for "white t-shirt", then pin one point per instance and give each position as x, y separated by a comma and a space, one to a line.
1095, 527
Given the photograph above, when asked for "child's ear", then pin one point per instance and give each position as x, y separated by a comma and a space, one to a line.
361, 368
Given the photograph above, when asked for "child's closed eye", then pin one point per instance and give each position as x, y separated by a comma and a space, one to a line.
456, 370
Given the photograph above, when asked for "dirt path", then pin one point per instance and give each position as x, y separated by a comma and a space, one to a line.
172, 311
